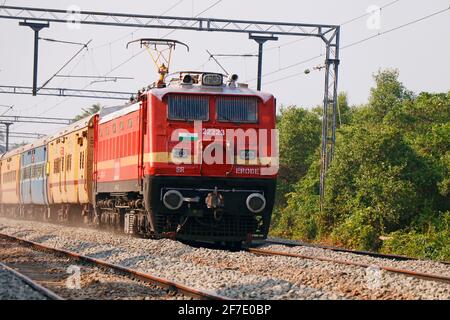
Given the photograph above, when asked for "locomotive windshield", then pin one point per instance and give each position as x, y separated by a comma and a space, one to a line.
188, 107
237, 109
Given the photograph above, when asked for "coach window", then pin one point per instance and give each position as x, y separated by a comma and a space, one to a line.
56, 165
69, 162
81, 164
121, 125
114, 128
130, 123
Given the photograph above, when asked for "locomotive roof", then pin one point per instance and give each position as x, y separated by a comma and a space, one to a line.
123, 110
209, 90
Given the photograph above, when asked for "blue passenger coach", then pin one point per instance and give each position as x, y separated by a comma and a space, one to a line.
33, 175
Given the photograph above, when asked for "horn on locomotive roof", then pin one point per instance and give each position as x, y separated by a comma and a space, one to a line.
160, 51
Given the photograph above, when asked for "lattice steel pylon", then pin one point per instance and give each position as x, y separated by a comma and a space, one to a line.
330, 106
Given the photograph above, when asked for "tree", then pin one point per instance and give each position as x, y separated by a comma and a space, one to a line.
389, 176
299, 137
388, 93
345, 111
377, 184
90, 111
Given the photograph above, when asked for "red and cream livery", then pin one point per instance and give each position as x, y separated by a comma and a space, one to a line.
195, 160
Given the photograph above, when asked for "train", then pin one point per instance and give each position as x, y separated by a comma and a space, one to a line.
194, 160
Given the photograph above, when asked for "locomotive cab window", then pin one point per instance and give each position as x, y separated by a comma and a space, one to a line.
188, 107
237, 109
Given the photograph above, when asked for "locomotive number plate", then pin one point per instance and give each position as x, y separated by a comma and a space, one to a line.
213, 132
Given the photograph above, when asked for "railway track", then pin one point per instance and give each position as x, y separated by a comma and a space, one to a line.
421, 275
43, 275
34, 285
293, 243
241, 274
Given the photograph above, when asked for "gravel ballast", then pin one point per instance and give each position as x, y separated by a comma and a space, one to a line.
240, 275
13, 288
75, 280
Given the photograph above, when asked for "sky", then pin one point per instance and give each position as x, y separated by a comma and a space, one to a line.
419, 51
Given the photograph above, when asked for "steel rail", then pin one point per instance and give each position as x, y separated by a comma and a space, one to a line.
145, 277
33, 284
425, 276
293, 243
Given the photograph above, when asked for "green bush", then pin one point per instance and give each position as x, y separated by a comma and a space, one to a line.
432, 243
389, 178
299, 137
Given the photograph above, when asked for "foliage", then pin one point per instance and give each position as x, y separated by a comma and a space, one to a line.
87, 112
388, 185
299, 137
432, 243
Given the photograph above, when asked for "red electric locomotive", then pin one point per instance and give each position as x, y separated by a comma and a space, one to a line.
195, 159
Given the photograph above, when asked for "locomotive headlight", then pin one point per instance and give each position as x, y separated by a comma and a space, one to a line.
256, 202
173, 200
187, 79
247, 154
179, 153
212, 79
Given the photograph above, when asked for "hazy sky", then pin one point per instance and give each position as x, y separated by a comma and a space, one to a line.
420, 51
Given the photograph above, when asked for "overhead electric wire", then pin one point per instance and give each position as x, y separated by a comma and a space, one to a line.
196, 16
62, 41
143, 50
369, 13
396, 28
137, 29
7, 110
305, 38
356, 43
269, 48
92, 61
322, 54
126, 61
65, 64
91, 77
211, 56
235, 55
